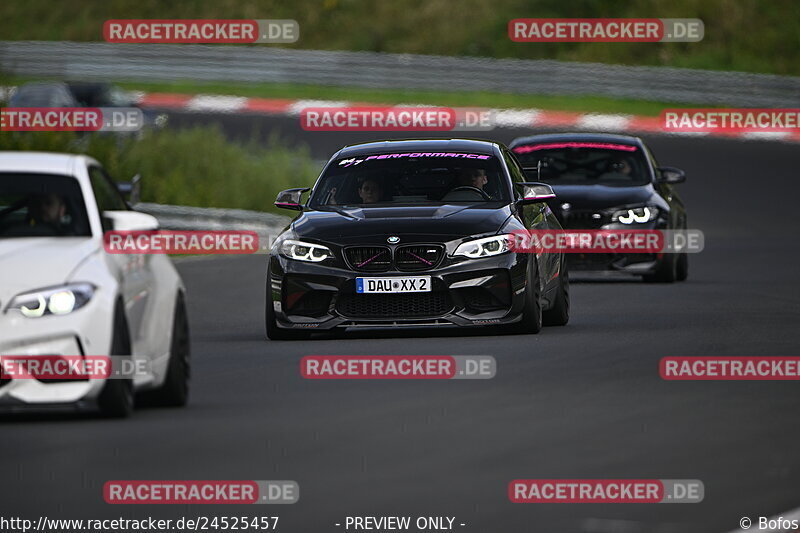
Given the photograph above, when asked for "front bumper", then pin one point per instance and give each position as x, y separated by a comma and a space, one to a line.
87, 331
623, 263
475, 292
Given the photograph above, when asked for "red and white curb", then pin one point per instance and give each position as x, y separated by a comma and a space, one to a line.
504, 118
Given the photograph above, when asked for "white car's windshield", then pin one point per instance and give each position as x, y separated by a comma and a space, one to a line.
41, 205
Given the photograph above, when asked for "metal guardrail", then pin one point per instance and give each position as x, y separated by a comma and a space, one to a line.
178, 217
104, 61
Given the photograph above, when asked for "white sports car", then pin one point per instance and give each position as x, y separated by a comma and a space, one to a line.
62, 294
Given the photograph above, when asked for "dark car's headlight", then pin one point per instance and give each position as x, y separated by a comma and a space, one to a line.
485, 247
305, 251
53, 301
635, 215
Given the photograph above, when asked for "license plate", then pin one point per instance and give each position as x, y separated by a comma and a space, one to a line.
391, 285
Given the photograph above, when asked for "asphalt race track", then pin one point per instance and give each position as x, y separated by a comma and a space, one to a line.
583, 401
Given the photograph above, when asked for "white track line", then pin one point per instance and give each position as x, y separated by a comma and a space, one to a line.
217, 104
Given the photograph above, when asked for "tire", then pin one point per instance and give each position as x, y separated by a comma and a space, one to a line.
175, 390
274, 333
116, 399
665, 271
531, 322
558, 315
682, 270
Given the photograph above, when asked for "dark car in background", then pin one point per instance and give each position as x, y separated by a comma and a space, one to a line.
613, 182
415, 233
43, 94
82, 94
102, 94
99, 94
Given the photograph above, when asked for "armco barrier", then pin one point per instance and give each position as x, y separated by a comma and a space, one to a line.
151, 62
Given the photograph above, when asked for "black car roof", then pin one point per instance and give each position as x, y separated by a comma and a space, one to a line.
417, 145
589, 137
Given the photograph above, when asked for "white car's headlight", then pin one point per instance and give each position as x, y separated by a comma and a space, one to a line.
305, 251
635, 215
486, 247
53, 301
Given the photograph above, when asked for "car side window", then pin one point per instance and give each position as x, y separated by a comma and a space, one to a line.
63, 98
652, 159
514, 166
515, 169
107, 196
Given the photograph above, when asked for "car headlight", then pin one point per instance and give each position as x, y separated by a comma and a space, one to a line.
635, 215
486, 247
53, 301
305, 251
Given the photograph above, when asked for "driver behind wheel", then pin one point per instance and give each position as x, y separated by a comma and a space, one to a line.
46, 216
469, 186
472, 177
46, 209
369, 190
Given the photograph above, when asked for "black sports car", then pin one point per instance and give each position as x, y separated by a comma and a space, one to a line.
612, 182
415, 233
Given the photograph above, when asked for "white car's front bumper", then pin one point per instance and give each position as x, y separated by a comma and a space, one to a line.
86, 331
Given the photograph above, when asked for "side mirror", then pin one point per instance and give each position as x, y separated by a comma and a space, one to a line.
131, 190
291, 199
533, 192
131, 221
671, 175
533, 172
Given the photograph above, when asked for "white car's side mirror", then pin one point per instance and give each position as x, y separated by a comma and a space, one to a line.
131, 221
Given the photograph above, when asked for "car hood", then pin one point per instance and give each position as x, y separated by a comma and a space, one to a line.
350, 225
601, 196
37, 262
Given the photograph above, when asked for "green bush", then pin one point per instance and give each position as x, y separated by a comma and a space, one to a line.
746, 35
196, 167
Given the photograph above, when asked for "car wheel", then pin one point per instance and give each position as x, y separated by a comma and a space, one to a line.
274, 333
665, 270
682, 270
532, 311
175, 390
558, 315
116, 398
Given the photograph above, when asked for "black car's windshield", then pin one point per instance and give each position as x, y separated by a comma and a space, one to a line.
411, 178
579, 163
41, 205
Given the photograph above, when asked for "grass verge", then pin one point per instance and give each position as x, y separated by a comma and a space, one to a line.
194, 167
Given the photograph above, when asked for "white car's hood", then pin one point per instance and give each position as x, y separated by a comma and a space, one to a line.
37, 262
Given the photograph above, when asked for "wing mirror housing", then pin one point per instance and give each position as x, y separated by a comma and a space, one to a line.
533, 192
131, 221
291, 198
131, 190
671, 175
